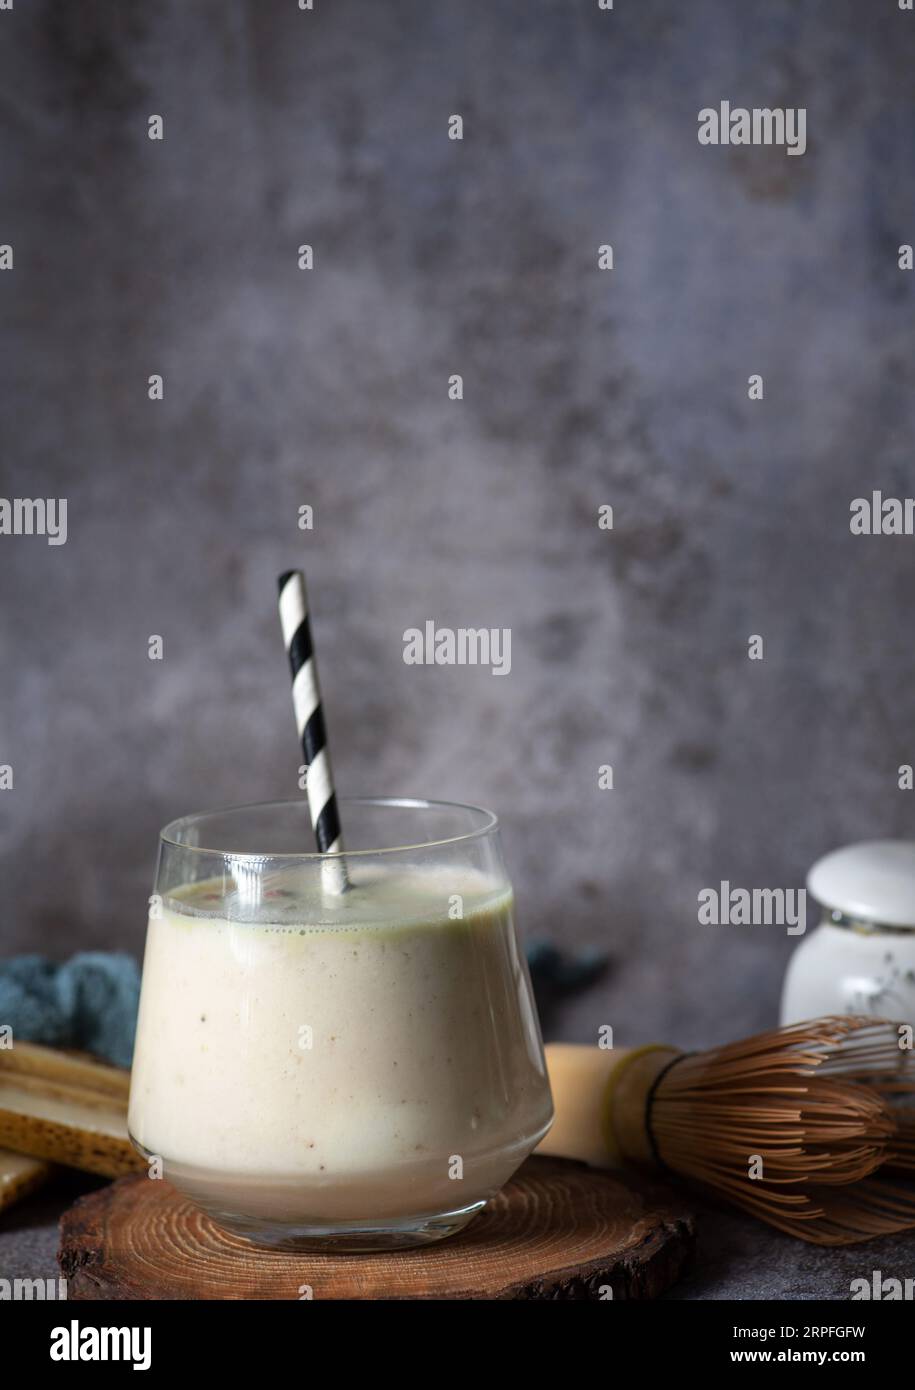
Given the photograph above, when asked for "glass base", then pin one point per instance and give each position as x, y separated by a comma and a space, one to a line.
349, 1237
280, 1221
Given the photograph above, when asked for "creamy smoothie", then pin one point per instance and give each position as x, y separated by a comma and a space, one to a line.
373, 1059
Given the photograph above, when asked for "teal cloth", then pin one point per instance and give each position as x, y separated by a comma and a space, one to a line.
90, 1002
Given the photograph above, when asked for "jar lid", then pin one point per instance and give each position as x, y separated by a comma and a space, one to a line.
871, 882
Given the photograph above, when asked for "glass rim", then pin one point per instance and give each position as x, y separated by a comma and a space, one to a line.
412, 803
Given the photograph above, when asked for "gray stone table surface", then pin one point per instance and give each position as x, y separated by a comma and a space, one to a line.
737, 1258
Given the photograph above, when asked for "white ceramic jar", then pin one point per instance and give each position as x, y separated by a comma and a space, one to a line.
861, 958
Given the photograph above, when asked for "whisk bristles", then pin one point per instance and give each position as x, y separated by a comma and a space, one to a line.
801, 1126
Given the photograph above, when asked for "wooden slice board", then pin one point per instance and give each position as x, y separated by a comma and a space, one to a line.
557, 1230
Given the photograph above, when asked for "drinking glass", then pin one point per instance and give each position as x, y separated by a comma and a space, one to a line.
341, 1055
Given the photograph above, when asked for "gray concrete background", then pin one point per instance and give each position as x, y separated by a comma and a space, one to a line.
329, 388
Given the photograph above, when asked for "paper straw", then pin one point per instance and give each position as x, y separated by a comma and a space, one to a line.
309, 715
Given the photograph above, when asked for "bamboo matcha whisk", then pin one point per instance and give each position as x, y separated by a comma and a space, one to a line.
800, 1126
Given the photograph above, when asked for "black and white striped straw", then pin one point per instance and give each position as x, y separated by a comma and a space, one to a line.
309, 715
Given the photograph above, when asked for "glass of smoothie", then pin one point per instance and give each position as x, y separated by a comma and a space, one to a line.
349, 1070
